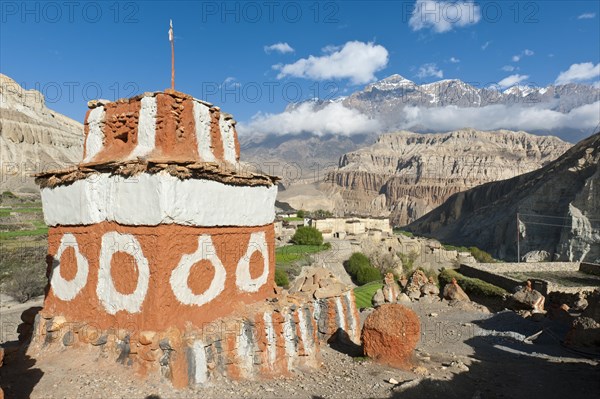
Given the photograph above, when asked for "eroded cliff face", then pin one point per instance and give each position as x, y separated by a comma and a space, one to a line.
33, 138
405, 175
558, 205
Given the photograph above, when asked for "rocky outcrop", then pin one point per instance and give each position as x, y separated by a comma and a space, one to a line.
33, 138
405, 175
558, 204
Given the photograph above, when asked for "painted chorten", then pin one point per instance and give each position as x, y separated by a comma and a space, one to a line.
159, 238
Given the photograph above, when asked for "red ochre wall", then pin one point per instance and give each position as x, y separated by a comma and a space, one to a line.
163, 246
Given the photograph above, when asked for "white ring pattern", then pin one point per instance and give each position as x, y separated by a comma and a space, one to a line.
63, 289
112, 300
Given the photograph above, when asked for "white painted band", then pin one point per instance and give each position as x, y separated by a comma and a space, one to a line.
179, 277
112, 300
203, 137
146, 128
150, 200
63, 289
243, 280
95, 138
271, 340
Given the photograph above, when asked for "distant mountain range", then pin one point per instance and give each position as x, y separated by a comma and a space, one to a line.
398, 103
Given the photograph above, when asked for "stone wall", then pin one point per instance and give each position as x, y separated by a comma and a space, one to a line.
265, 340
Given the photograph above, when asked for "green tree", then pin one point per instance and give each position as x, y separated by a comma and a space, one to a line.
300, 213
305, 235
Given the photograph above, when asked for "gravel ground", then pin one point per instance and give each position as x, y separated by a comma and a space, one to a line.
463, 353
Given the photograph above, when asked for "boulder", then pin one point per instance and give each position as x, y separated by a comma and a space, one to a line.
403, 298
378, 298
391, 289
390, 335
453, 292
529, 299
536, 256
430, 289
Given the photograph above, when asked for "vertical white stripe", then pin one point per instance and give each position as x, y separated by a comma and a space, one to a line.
304, 332
95, 139
355, 336
201, 371
245, 352
271, 344
228, 139
288, 336
146, 128
341, 318
203, 138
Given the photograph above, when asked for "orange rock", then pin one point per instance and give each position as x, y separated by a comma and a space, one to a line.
390, 335
147, 337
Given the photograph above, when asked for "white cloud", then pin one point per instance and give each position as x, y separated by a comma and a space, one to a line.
485, 45
428, 70
512, 80
334, 118
526, 52
357, 61
579, 72
454, 60
279, 47
443, 16
587, 15
500, 117
508, 68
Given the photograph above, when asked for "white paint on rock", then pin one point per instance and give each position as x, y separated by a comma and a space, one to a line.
271, 344
354, 333
153, 199
227, 136
146, 128
243, 280
289, 335
179, 277
63, 289
341, 318
245, 352
201, 367
203, 137
112, 300
95, 139
304, 332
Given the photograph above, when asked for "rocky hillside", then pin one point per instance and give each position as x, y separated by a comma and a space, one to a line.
405, 175
304, 156
33, 137
559, 207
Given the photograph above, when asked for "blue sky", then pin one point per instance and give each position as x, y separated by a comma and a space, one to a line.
84, 50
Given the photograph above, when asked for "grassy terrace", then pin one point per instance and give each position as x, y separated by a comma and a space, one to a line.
364, 293
292, 253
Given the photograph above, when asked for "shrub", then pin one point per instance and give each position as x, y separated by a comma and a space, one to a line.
305, 235
281, 278
472, 286
481, 256
356, 262
367, 274
300, 214
26, 283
